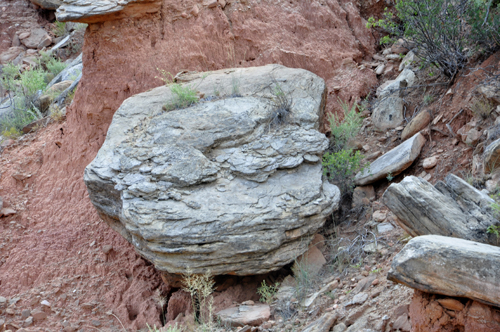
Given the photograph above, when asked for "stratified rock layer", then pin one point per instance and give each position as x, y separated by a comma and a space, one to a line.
451, 208
217, 186
449, 266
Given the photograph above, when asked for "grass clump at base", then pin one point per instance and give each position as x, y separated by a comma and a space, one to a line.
201, 287
267, 292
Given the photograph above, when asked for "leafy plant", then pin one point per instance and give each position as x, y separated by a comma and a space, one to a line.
344, 130
10, 74
267, 292
59, 29
12, 132
376, 270
446, 32
389, 177
341, 167
494, 230
55, 66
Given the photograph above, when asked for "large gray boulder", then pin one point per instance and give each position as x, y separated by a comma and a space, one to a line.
451, 208
216, 186
393, 162
449, 266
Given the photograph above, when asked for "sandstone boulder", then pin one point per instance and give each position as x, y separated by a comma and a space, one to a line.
253, 315
393, 162
449, 266
451, 208
217, 186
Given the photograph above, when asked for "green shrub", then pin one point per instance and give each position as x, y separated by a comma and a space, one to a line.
32, 81
10, 75
446, 32
59, 29
267, 292
12, 132
55, 66
343, 131
341, 167
184, 95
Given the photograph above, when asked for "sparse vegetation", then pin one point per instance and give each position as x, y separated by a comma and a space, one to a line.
267, 292
344, 130
184, 95
201, 287
445, 32
59, 29
282, 104
303, 278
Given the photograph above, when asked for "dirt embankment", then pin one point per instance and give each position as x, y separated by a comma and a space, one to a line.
56, 248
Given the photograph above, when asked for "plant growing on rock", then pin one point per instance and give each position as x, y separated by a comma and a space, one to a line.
282, 104
184, 95
445, 32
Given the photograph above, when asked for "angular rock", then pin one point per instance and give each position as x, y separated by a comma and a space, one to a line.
46, 99
393, 162
38, 38
408, 61
416, 124
38, 314
491, 91
473, 136
312, 260
406, 79
449, 266
5, 212
491, 157
48, 4
452, 208
216, 186
363, 196
253, 315
103, 10
323, 324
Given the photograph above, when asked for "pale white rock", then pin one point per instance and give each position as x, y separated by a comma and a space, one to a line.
430, 162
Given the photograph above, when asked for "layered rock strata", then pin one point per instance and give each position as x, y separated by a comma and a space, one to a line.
225, 185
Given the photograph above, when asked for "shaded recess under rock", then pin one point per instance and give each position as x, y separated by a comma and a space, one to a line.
217, 186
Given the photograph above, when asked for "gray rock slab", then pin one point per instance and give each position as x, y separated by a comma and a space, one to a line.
322, 324
449, 266
252, 315
37, 38
98, 10
388, 112
393, 162
451, 208
216, 186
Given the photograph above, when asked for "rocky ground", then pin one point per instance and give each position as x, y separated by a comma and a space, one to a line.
63, 269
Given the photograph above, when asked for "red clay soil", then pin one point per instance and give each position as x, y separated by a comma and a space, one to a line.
463, 315
56, 248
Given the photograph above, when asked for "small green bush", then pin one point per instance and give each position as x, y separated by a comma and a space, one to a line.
267, 292
184, 95
341, 167
446, 32
59, 29
10, 75
12, 132
33, 81
343, 131
55, 66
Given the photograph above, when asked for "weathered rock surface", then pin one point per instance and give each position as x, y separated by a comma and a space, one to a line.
48, 4
322, 324
454, 208
491, 157
38, 38
216, 186
416, 124
104, 10
252, 315
449, 266
393, 162
388, 111
10, 54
